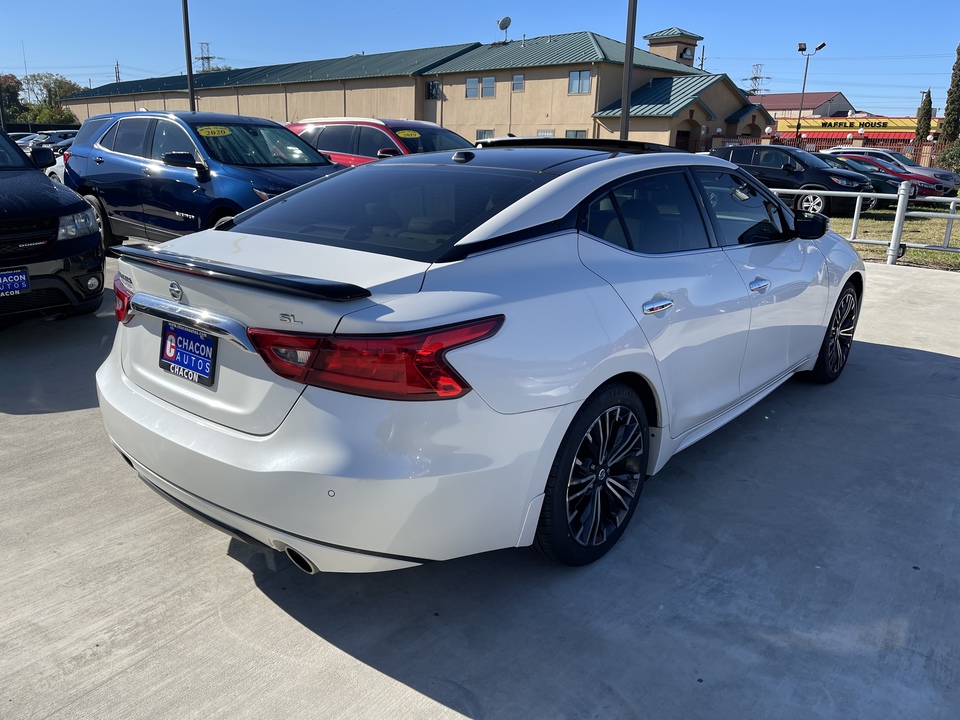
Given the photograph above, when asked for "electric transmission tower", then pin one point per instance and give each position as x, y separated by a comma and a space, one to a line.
205, 57
756, 80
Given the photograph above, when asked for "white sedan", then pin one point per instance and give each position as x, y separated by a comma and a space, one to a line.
443, 354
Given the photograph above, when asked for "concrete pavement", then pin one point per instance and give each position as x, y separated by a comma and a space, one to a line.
802, 562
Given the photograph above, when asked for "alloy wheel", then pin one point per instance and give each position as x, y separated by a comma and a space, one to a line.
605, 476
841, 332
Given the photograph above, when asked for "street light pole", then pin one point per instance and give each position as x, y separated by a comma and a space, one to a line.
628, 70
802, 49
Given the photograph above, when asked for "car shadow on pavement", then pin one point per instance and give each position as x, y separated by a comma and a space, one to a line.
772, 569
48, 366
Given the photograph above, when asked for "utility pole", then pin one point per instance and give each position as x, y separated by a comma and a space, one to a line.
628, 69
703, 51
186, 45
116, 70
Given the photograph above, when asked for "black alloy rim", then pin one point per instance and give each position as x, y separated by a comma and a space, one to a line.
841, 332
605, 476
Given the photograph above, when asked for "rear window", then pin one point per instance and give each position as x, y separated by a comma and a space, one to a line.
416, 212
89, 129
421, 140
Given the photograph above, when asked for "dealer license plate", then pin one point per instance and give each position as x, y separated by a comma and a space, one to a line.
189, 353
14, 282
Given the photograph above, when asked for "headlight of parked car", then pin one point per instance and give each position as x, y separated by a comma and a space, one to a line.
928, 186
78, 225
946, 177
844, 182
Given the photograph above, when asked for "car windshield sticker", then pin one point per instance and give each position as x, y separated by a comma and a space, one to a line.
408, 134
213, 131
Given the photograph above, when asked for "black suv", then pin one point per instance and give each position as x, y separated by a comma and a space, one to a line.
51, 258
778, 166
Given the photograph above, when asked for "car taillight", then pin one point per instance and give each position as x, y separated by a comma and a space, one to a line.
66, 156
410, 366
121, 302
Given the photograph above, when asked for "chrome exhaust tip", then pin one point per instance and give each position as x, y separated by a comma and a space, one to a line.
300, 561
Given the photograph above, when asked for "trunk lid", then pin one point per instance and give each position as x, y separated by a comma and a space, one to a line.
189, 289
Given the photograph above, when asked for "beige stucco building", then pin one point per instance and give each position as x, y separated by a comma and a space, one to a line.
561, 85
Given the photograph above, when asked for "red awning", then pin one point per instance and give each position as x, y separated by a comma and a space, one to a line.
841, 135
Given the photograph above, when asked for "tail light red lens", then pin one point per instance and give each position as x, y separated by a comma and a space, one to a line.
411, 366
121, 302
66, 156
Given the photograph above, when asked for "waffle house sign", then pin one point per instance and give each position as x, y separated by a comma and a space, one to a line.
899, 127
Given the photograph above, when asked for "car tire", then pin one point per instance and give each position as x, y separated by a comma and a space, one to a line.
106, 234
811, 202
838, 339
594, 484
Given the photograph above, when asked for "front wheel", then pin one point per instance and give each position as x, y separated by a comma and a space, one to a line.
595, 481
813, 203
838, 340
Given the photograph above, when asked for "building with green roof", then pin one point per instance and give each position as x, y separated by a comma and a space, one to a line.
562, 85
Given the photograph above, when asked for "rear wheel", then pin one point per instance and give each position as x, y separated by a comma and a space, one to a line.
106, 234
595, 481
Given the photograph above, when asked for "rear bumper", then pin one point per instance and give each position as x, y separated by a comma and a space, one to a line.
354, 484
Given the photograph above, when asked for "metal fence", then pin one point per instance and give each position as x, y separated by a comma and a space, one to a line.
896, 246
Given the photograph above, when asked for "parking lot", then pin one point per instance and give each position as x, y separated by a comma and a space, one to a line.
801, 562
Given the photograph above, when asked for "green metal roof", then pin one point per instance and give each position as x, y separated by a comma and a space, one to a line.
670, 33
569, 49
402, 63
670, 96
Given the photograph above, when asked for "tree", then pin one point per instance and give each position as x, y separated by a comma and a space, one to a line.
950, 125
10, 105
923, 119
48, 88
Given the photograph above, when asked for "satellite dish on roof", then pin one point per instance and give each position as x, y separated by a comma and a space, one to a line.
503, 25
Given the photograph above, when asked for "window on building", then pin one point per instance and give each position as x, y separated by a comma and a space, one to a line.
484, 134
488, 87
431, 90
473, 87
579, 82
544, 133
575, 134
517, 83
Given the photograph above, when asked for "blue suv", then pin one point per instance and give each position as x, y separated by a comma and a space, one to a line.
159, 175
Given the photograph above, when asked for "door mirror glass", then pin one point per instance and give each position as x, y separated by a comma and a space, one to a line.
810, 226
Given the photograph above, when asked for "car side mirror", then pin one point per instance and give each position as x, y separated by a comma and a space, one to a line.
181, 159
43, 157
810, 226
387, 152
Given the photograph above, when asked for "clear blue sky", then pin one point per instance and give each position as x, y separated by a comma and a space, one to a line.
880, 61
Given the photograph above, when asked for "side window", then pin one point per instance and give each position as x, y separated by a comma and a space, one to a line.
661, 215
336, 138
372, 140
741, 155
654, 214
131, 136
775, 159
170, 137
742, 214
109, 136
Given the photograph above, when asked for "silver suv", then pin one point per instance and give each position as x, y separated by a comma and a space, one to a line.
938, 175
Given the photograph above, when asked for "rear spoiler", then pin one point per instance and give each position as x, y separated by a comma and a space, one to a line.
263, 280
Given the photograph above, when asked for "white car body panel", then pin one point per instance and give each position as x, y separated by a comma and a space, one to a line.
356, 483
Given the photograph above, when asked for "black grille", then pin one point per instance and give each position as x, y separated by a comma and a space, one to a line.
27, 239
34, 300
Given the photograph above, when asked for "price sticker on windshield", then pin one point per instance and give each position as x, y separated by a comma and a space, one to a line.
408, 133
213, 131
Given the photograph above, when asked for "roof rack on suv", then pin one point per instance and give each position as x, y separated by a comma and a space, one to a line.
603, 144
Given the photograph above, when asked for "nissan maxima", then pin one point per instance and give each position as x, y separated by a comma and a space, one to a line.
443, 354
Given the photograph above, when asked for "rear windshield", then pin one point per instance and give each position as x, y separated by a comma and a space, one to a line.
89, 127
421, 140
416, 212
255, 145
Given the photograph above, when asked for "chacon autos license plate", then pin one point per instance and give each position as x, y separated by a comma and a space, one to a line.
189, 353
14, 282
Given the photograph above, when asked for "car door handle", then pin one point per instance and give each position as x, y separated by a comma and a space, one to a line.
759, 285
98, 160
654, 306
